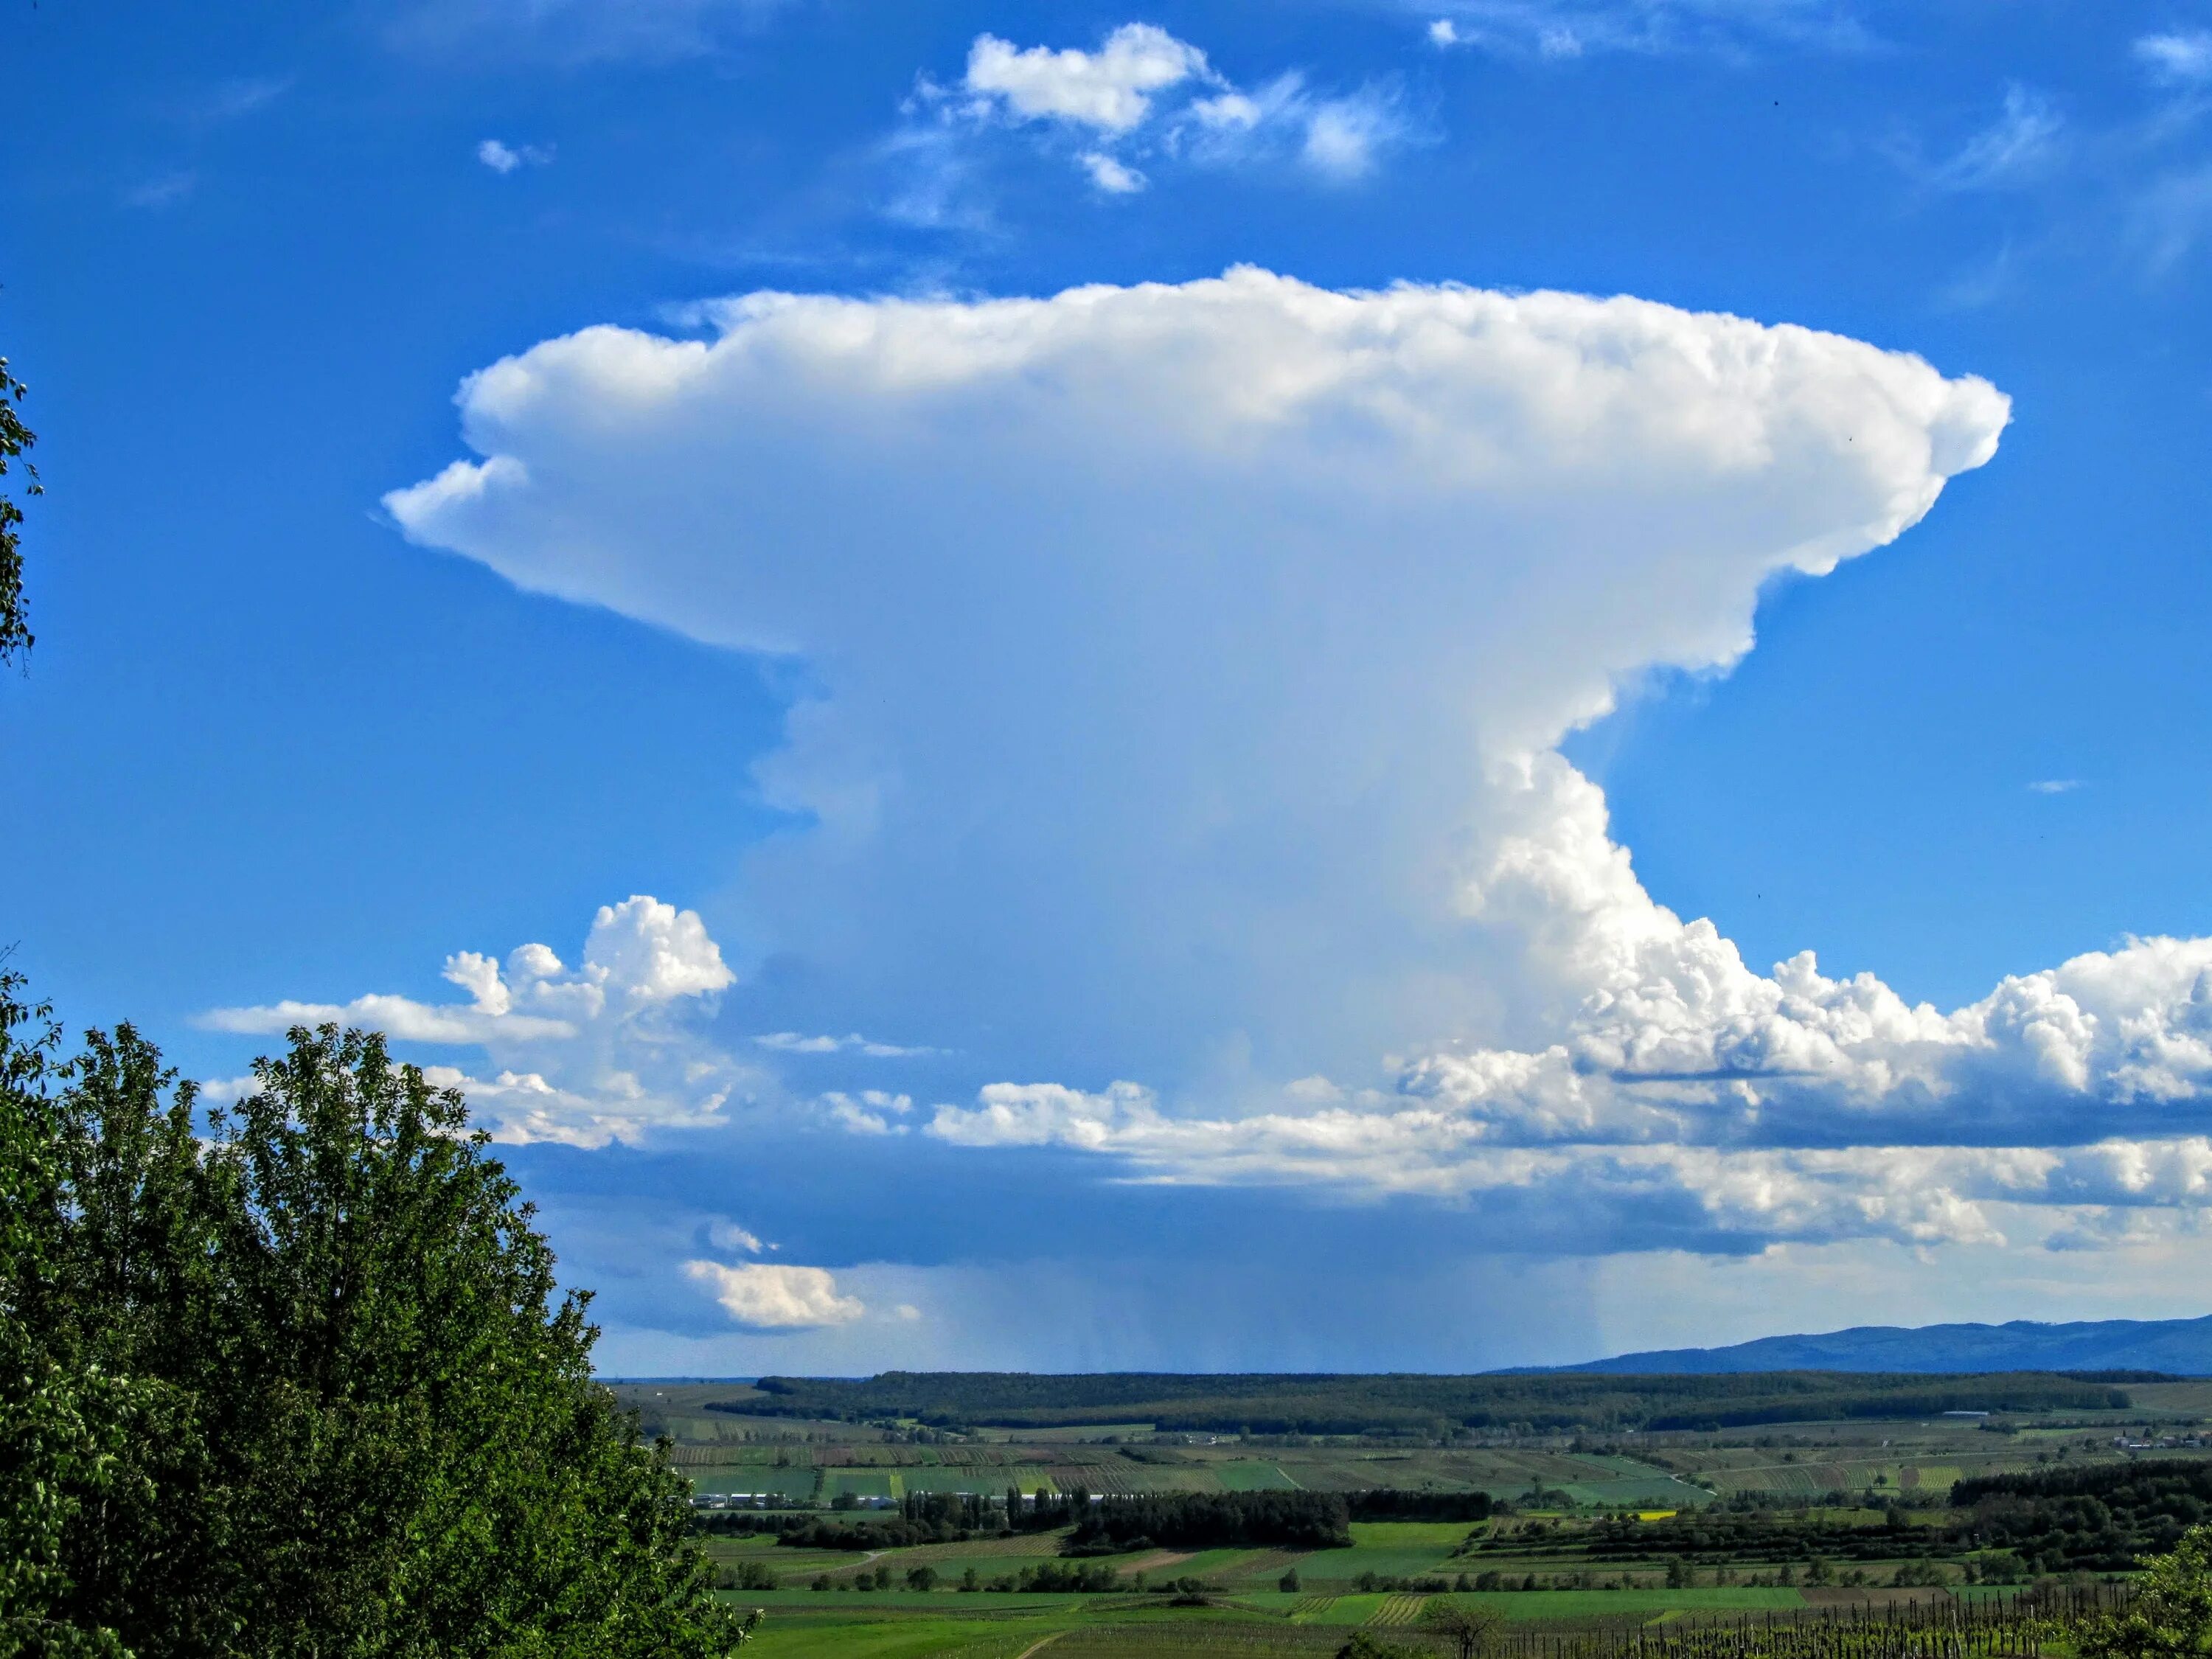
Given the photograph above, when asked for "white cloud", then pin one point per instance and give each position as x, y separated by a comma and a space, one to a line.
870, 1112
2182, 57
1110, 89
1343, 135
506, 158
767, 1296
585, 1056
2055, 785
1248, 762
1568, 28
1114, 178
795, 1043
2020, 143
1143, 94
728, 1235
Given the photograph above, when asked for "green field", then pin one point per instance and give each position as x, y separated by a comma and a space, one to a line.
1246, 1476
1591, 1577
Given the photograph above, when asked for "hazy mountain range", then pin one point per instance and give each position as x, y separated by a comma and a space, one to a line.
2181, 1345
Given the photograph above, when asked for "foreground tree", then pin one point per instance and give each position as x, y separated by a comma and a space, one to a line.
2172, 1615
61, 1436
359, 1416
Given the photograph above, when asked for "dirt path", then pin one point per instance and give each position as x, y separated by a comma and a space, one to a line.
1042, 1642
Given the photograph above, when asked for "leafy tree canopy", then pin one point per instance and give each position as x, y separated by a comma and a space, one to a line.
300, 1380
2172, 1615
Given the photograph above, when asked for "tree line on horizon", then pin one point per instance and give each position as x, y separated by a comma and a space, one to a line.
1437, 1406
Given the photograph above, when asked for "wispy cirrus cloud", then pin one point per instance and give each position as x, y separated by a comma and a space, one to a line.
572, 33
797, 1042
2018, 147
1563, 29
2181, 57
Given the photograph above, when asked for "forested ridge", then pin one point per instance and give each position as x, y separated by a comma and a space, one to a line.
1331, 1403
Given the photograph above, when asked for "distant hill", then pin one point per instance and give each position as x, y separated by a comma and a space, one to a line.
2179, 1347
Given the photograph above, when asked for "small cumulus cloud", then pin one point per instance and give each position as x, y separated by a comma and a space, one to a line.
586, 1054
765, 1296
1110, 89
1142, 95
2055, 785
869, 1112
504, 158
729, 1236
1114, 178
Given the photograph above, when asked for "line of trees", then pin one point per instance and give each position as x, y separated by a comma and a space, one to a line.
1421, 1406
1297, 1520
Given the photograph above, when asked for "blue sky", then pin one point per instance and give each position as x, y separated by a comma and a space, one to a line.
1111, 734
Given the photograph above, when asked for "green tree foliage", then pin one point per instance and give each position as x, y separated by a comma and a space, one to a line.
1203, 1521
2172, 1615
2098, 1517
15, 439
62, 1437
1364, 1644
310, 1386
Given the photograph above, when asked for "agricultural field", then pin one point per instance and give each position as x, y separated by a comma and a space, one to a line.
1578, 1539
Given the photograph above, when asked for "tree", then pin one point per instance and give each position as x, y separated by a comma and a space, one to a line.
361, 1414
1469, 1627
923, 1577
61, 1436
1365, 1645
2171, 1613
1288, 1583
15, 439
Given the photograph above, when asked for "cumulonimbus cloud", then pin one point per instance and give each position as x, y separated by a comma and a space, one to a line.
1193, 660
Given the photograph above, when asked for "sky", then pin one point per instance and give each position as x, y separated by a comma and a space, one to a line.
1340, 685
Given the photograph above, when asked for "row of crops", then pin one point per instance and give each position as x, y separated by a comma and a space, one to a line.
2026, 1629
